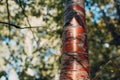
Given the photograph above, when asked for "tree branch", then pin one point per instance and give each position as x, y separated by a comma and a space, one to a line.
18, 27
8, 11
8, 17
102, 67
23, 10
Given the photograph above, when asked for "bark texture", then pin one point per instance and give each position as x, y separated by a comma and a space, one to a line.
75, 63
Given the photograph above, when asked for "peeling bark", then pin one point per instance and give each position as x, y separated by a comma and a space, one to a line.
74, 61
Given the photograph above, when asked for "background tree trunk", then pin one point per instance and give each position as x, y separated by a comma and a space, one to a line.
75, 63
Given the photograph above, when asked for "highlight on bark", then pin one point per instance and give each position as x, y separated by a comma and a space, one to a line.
74, 60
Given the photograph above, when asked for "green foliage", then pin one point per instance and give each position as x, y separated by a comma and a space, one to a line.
33, 53
103, 39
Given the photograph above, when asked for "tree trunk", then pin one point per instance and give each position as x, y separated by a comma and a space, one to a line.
74, 60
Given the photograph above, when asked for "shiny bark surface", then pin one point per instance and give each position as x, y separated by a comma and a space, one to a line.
75, 64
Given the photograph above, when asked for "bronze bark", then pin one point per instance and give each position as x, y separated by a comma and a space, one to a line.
75, 62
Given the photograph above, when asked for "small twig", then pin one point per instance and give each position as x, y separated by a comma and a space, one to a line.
8, 12
8, 15
23, 10
18, 27
101, 69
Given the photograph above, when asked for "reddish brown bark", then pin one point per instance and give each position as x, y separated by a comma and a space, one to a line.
75, 63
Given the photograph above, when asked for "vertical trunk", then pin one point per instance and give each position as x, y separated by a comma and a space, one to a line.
75, 64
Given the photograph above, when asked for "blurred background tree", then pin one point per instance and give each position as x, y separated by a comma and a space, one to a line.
30, 39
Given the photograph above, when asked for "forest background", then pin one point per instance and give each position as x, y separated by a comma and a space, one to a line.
30, 39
